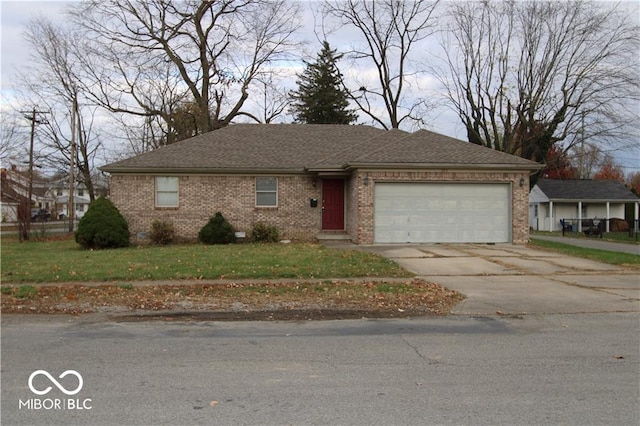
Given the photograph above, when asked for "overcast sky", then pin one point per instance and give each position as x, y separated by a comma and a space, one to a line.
14, 15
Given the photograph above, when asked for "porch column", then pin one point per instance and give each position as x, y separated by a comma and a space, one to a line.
579, 216
551, 227
607, 225
635, 215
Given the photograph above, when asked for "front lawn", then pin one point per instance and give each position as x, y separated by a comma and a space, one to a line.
64, 261
311, 282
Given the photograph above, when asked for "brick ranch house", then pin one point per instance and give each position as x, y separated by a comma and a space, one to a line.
359, 183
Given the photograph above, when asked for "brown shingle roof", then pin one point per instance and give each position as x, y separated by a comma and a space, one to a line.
427, 147
298, 147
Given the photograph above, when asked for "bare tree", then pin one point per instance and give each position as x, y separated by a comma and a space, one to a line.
13, 140
586, 158
146, 57
55, 85
390, 32
271, 101
523, 76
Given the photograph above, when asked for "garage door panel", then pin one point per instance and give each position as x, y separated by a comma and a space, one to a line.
441, 212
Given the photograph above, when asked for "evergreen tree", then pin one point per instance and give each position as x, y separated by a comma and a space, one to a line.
320, 98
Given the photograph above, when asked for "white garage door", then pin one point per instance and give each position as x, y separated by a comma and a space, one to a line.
442, 213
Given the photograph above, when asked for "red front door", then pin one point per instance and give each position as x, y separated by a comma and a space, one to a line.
333, 204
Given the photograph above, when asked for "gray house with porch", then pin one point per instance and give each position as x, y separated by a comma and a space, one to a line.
552, 201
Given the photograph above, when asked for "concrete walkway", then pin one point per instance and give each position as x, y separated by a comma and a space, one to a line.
594, 243
511, 279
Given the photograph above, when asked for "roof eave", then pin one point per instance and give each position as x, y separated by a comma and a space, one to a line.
451, 166
593, 200
325, 169
198, 171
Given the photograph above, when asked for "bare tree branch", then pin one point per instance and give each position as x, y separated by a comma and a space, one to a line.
55, 84
523, 76
389, 31
148, 57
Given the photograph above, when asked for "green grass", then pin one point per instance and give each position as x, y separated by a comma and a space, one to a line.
22, 292
393, 288
62, 261
126, 286
615, 258
616, 237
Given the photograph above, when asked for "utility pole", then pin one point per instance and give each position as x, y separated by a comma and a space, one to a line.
26, 215
582, 151
72, 158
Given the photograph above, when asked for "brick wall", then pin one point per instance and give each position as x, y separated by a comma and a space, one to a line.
363, 193
200, 197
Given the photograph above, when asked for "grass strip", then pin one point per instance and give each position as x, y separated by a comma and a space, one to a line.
611, 257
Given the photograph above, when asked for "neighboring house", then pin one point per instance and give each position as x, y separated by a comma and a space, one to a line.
10, 199
15, 189
551, 201
81, 199
338, 181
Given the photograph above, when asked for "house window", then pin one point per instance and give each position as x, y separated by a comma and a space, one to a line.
80, 192
166, 191
59, 192
266, 191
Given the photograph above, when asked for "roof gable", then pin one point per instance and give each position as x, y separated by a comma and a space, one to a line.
585, 189
300, 147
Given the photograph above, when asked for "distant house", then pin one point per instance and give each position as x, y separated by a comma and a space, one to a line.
81, 199
10, 199
358, 183
50, 193
15, 189
552, 201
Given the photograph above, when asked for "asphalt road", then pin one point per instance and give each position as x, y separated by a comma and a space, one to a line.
580, 369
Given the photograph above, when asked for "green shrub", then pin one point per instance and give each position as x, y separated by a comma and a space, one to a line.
102, 226
217, 231
162, 232
263, 233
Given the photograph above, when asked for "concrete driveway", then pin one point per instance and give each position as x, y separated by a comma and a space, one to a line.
511, 279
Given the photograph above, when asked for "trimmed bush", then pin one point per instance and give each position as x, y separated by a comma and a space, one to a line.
217, 231
263, 233
162, 232
102, 226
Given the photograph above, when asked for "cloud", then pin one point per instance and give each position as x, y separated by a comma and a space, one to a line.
14, 16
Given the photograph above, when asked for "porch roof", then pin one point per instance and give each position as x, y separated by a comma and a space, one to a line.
576, 190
